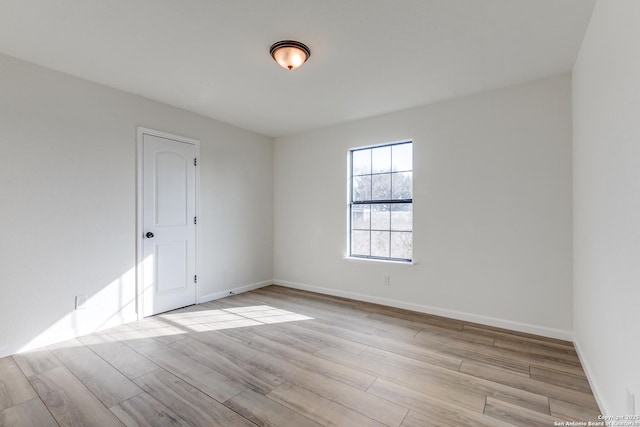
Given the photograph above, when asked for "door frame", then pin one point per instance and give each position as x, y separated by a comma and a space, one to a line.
140, 132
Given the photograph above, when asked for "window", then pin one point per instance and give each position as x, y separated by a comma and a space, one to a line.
381, 202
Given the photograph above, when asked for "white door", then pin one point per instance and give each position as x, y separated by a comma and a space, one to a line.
168, 224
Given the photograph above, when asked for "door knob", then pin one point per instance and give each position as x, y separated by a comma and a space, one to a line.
149, 235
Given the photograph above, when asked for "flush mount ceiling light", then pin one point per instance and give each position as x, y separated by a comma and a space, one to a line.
290, 54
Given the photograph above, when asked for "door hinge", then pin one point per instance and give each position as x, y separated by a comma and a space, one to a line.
195, 279
195, 219
195, 161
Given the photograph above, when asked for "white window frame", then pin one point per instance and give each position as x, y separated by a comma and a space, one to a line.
371, 201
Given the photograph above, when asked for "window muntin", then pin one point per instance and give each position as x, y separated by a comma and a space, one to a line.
381, 202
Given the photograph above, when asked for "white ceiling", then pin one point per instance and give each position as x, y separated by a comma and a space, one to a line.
368, 57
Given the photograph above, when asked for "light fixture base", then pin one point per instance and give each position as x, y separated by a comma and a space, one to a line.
290, 54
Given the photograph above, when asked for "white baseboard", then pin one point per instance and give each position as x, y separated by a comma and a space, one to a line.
233, 291
591, 378
468, 317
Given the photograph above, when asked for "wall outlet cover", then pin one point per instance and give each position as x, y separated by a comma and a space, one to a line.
81, 302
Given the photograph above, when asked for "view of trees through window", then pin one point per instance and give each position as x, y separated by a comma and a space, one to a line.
381, 202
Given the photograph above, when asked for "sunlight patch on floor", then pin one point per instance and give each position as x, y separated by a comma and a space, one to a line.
226, 318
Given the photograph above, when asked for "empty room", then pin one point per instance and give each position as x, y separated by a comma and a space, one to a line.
313, 213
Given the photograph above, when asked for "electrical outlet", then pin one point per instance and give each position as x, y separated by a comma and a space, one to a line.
387, 280
81, 302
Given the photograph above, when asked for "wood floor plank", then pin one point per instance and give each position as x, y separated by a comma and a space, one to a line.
240, 300
36, 361
106, 382
572, 412
231, 348
570, 369
320, 409
353, 398
496, 332
461, 380
274, 298
319, 339
271, 336
258, 340
323, 311
327, 309
122, 357
517, 415
133, 338
416, 419
434, 408
31, 413
265, 411
538, 350
362, 320
153, 322
272, 301
384, 343
413, 378
14, 386
427, 326
217, 386
195, 317
475, 351
562, 379
330, 302
556, 363
69, 401
127, 327
241, 372
430, 320
166, 334
187, 402
582, 398
510, 358
143, 410
217, 317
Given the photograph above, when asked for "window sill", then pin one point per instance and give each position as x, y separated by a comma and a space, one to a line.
374, 260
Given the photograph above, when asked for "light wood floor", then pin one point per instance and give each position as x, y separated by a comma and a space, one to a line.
283, 357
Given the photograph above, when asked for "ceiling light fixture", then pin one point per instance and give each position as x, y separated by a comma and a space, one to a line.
290, 54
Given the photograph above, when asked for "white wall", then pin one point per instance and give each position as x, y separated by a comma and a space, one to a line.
606, 117
492, 209
67, 197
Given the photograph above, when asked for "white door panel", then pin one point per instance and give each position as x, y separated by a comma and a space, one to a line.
171, 188
168, 213
171, 267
